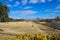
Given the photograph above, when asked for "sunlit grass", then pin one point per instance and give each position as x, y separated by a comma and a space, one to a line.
37, 36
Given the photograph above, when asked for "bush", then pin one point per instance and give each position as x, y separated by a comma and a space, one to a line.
37, 36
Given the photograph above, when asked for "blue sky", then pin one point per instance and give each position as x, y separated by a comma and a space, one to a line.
33, 8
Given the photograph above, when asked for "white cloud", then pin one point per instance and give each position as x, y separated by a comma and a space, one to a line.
24, 2
52, 11
27, 12
24, 12
56, 10
27, 7
9, 5
16, 3
15, 12
37, 1
50, 15
58, 7
48, 10
43, 1
33, 1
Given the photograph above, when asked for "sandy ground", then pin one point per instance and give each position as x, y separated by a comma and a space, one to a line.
24, 27
19, 27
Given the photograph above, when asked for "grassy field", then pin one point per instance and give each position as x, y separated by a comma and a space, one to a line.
19, 27
23, 28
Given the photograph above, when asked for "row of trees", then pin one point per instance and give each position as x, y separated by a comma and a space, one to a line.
3, 13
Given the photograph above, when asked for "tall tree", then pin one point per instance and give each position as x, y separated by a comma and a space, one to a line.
6, 10
3, 13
